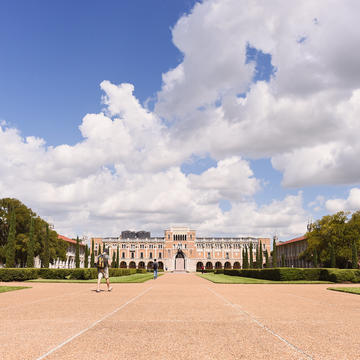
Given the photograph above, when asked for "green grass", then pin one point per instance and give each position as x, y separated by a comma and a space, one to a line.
134, 278
350, 290
227, 279
12, 288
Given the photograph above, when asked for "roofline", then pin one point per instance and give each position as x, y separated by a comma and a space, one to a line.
300, 238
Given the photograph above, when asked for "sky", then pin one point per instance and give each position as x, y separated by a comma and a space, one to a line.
233, 117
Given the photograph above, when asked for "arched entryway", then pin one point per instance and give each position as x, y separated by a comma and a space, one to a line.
123, 265
218, 265
237, 265
161, 265
141, 265
150, 265
227, 265
199, 266
180, 261
132, 265
209, 265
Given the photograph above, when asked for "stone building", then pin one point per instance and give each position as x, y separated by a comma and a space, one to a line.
181, 250
291, 250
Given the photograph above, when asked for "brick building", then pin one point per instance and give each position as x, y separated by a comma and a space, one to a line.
291, 250
180, 250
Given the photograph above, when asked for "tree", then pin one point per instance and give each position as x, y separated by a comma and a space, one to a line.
113, 263
355, 258
86, 260
257, 263
261, 256
267, 260
46, 256
251, 256
274, 255
10, 248
99, 251
92, 259
24, 217
30, 247
332, 256
77, 253
117, 257
315, 258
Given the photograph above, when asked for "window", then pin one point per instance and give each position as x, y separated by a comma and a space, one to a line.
150, 255
160, 255
168, 236
227, 255
123, 255
132, 254
208, 255
191, 236
141, 246
168, 252
160, 246
123, 246
141, 255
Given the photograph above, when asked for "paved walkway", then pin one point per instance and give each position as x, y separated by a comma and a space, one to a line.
179, 316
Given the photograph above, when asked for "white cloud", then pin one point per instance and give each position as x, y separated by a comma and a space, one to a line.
352, 203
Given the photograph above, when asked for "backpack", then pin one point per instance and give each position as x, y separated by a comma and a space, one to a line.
101, 262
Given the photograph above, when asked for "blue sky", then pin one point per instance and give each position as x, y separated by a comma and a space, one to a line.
241, 109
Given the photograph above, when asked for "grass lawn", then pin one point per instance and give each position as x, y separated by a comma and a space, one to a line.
227, 279
134, 278
351, 290
12, 288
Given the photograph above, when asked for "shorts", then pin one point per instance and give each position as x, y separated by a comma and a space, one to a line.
103, 273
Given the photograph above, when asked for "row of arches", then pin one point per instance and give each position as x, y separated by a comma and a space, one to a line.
218, 265
140, 265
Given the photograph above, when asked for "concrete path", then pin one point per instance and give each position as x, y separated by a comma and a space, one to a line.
179, 316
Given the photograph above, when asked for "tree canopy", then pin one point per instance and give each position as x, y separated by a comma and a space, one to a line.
23, 215
334, 233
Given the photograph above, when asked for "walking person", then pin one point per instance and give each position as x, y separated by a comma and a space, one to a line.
103, 269
155, 267
202, 269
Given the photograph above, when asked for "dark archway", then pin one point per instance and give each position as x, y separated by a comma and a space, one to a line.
123, 265
160, 265
132, 265
199, 266
227, 265
150, 265
141, 265
209, 265
180, 261
218, 265
236, 265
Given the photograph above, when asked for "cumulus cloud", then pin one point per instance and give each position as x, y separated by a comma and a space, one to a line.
351, 203
304, 118
126, 171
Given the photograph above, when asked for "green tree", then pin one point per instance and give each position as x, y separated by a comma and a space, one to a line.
261, 261
77, 253
117, 257
315, 258
355, 258
257, 262
46, 256
24, 217
113, 263
267, 260
332, 256
274, 254
10, 249
86, 260
251, 256
30, 248
99, 251
92, 259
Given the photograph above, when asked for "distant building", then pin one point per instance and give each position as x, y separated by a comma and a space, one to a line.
291, 250
180, 250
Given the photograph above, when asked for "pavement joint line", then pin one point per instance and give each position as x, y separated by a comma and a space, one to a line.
92, 325
237, 307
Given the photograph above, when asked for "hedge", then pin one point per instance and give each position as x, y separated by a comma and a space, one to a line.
22, 274
293, 274
9, 274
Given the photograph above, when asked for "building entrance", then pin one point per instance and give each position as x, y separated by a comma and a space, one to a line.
180, 261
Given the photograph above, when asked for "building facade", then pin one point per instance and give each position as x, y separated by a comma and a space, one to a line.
180, 250
290, 250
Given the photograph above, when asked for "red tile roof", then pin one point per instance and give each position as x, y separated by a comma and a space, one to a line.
300, 238
62, 237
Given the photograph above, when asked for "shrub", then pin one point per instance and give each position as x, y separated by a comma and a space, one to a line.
219, 271
46, 273
140, 271
10, 274
340, 275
